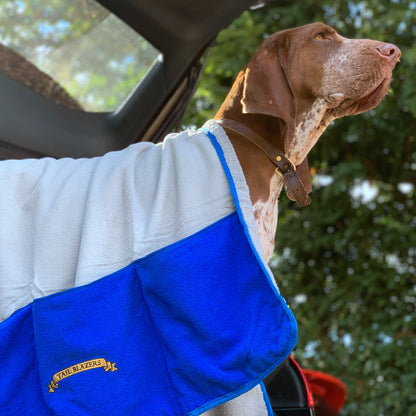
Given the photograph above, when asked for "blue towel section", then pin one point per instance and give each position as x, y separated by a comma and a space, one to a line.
175, 333
20, 387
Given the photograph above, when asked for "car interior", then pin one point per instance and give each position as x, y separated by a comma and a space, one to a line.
83, 78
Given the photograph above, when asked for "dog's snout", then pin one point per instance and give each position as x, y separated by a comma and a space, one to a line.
389, 51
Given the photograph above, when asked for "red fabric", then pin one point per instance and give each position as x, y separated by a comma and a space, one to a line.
326, 388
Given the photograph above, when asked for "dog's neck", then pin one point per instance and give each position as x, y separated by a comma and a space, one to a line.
263, 183
310, 125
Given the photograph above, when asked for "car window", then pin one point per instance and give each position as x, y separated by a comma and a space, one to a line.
75, 53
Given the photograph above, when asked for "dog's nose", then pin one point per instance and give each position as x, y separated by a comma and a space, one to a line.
389, 51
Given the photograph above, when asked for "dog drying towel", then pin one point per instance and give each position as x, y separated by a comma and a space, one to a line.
192, 321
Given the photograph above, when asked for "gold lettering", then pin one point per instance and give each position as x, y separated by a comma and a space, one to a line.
79, 368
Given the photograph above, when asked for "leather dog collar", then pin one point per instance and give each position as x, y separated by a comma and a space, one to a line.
284, 166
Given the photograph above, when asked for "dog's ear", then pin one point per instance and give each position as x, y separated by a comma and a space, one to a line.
267, 89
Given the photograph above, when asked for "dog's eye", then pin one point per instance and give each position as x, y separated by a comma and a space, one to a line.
319, 36
323, 36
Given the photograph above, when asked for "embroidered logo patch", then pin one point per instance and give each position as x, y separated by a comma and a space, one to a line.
79, 368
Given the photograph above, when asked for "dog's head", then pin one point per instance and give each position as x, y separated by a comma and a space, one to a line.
312, 71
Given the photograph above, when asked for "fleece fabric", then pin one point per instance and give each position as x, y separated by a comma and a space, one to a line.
188, 316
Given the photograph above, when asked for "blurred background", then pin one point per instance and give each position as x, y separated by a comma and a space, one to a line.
346, 264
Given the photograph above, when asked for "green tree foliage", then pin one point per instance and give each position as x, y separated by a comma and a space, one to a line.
347, 263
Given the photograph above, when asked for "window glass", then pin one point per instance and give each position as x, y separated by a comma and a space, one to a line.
73, 52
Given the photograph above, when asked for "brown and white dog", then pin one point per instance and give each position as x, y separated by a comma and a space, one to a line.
296, 84
67, 223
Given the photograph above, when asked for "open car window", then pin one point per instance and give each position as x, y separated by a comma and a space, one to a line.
57, 56
75, 53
